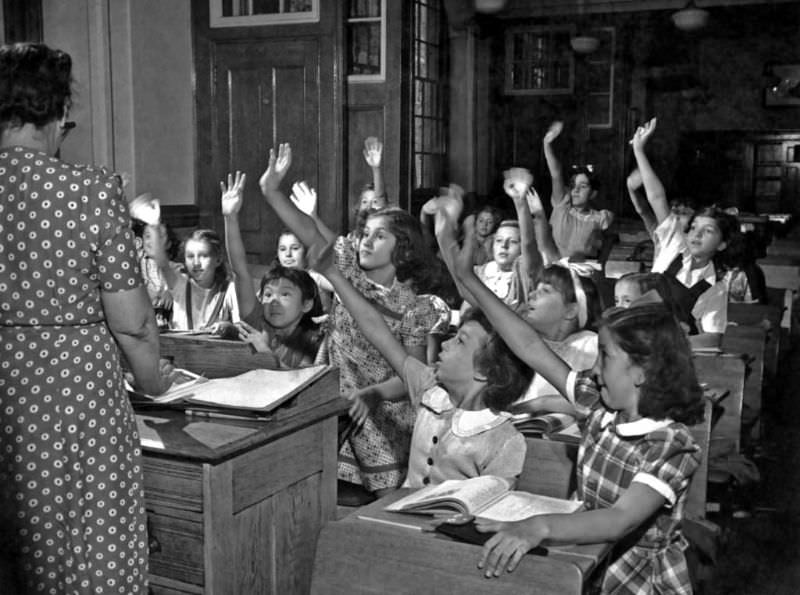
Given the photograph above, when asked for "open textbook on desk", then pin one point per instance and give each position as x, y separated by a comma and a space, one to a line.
255, 392
486, 496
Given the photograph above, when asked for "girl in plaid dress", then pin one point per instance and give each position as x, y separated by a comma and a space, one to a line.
637, 455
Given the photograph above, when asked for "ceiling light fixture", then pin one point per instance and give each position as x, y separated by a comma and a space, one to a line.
690, 18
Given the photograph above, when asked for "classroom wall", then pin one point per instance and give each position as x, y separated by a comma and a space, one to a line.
134, 101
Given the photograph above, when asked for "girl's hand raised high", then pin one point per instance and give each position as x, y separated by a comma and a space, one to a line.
517, 181
232, 194
304, 198
553, 131
276, 168
373, 151
643, 133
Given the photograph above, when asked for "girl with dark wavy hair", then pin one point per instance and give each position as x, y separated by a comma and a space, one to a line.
388, 263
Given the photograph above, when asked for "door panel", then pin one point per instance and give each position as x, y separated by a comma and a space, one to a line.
265, 92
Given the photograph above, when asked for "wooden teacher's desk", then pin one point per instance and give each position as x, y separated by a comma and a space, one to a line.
235, 507
355, 555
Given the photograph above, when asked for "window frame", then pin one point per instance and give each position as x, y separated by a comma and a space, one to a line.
550, 31
217, 20
369, 78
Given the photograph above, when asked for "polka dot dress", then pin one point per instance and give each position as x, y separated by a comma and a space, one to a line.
70, 464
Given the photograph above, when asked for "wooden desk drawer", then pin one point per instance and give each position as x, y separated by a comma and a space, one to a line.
173, 484
176, 547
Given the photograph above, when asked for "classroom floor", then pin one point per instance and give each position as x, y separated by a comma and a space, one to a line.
760, 552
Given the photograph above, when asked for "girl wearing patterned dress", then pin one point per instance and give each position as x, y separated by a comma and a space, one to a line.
386, 264
636, 456
72, 514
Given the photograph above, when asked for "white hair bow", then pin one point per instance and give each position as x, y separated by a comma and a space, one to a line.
585, 268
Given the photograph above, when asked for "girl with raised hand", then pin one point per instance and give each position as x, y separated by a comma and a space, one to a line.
637, 455
692, 254
577, 226
279, 318
461, 430
386, 265
202, 293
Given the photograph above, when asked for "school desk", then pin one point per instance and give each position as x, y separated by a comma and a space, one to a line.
236, 506
750, 341
367, 556
724, 373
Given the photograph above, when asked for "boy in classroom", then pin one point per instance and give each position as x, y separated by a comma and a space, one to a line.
279, 318
637, 455
693, 255
462, 429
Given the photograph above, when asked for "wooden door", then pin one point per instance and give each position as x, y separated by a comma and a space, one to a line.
257, 87
265, 93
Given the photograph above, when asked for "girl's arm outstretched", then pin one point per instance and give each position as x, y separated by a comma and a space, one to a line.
231, 205
634, 184
296, 220
653, 188
517, 185
369, 320
518, 334
373, 155
504, 550
553, 164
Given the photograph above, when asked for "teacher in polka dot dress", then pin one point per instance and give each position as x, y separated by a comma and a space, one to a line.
72, 516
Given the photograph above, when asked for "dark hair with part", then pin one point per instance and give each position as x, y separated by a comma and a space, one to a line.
729, 231
35, 84
653, 340
507, 376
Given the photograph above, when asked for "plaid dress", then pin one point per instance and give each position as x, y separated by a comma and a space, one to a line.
377, 455
662, 455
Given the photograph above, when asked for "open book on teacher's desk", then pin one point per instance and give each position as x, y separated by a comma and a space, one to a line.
486, 496
259, 390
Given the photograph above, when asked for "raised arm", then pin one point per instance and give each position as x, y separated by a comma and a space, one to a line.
231, 203
296, 220
553, 164
634, 183
304, 198
160, 256
373, 155
518, 334
369, 320
653, 188
518, 183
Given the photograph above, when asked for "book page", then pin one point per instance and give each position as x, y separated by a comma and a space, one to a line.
515, 506
465, 495
260, 389
182, 385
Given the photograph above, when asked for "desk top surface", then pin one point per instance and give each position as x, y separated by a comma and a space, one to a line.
172, 433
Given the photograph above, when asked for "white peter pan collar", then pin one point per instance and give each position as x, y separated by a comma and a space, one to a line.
631, 429
471, 423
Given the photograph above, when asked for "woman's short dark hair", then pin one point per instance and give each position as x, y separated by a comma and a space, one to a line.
410, 257
210, 237
35, 84
507, 376
652, 338
303, 281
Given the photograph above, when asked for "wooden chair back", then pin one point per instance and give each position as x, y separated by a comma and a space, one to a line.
750, 341
724, 373
549, 468
695, 506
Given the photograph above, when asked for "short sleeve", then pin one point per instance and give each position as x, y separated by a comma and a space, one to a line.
418, 378
507, 457
669, 241
117, 264
583, 392
419, 320
669, 459
604, 219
